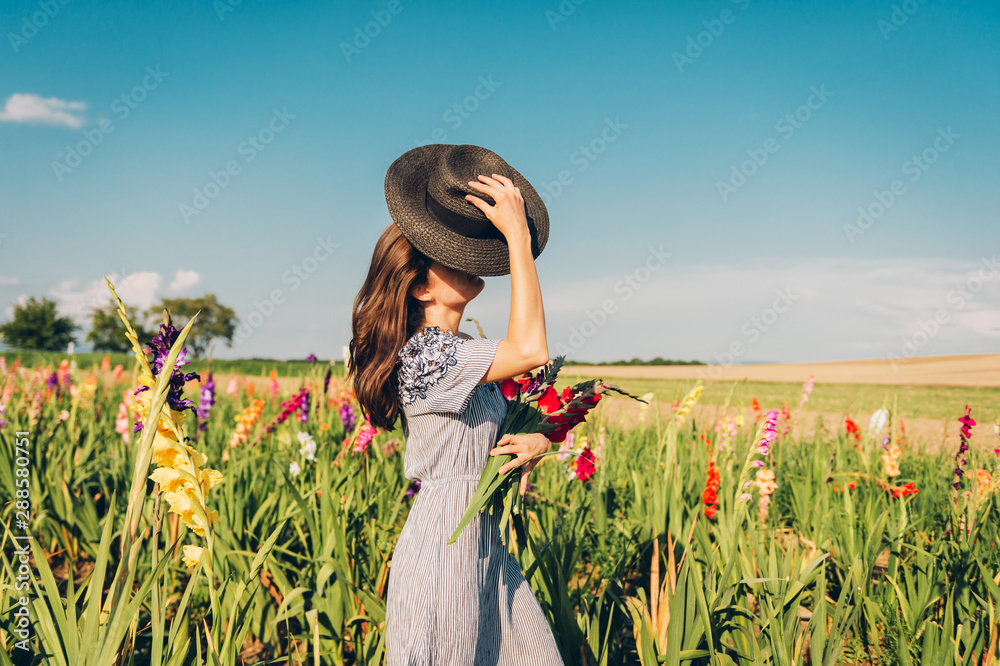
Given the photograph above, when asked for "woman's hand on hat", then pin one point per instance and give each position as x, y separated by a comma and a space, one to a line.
507, 214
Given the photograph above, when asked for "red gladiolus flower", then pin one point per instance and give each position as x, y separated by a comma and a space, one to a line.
509, 388
549, 401
756, 407
558, 435
567, 395
564, 423
585, 464
900, 492
852, 428
524, 380
711, 495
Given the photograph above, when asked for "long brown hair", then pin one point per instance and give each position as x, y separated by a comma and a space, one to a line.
385, 316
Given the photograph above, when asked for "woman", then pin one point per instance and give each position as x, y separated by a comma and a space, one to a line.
458, 213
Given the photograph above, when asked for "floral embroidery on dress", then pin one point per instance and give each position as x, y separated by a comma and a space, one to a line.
424, 361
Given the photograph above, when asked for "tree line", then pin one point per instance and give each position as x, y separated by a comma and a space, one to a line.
36, 325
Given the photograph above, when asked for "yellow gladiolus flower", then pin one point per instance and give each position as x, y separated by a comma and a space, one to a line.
192, 555
689, 401
168, 478
209, 478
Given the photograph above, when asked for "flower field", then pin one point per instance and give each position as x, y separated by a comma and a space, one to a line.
226, 519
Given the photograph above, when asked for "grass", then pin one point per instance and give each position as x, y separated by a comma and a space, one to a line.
251, 366
930, 402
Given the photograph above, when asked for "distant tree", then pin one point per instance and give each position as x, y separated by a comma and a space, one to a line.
107, 332
216, 321
36, 326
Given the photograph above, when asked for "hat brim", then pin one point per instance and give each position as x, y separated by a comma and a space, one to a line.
405, 186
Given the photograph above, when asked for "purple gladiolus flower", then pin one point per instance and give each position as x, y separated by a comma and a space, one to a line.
347, 416
160, 348
304, 409
207, 400
311, 358
326, 379
411, 491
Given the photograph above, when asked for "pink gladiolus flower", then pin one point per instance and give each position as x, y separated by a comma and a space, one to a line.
585, 465
566, 446
368, 431
123, 424
807, 388
965, 434
769, 433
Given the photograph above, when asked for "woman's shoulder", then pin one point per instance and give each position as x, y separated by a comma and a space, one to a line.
442, 367
424, 359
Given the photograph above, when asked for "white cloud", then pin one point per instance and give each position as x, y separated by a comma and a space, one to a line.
135, 290
184, 280
32, 109
8, 280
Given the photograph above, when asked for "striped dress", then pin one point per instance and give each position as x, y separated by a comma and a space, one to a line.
466, 604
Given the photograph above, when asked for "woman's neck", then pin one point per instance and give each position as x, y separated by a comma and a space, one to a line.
444, 318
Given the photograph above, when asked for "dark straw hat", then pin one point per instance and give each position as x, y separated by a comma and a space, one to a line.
425, 189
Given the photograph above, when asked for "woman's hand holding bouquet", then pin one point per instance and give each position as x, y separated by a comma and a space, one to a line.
534, 408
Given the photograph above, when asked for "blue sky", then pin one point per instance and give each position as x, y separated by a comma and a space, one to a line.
744, 136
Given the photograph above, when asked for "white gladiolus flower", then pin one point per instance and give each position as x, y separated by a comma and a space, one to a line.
308, 448
294, 469
879, 420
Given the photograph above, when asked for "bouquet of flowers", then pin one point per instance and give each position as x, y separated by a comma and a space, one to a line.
533, 406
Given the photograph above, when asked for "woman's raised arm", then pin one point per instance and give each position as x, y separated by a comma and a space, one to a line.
525, 347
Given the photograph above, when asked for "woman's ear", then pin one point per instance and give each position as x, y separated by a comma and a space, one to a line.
422, 293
